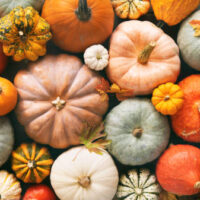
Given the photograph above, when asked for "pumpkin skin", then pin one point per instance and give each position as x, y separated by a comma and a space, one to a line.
131, 68
55, 92
178, 170
185, 122
75, 33
31, 163
188, 43
135, 125
79, 174
173, 12
3, 59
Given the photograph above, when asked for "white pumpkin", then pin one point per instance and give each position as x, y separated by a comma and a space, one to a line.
78, 174
96, 57
10, 188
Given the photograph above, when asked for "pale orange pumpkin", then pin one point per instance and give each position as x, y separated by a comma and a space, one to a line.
57, 96
142, 57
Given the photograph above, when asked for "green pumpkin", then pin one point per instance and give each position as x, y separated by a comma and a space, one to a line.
139, 134
7, 5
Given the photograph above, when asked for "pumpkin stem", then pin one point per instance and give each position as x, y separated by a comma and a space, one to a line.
31, 164
84, 181
197, 185
146, 52
83, 12
137, 132
59, 103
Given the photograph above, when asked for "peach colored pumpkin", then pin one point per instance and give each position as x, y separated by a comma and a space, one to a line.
57, 96
142, 57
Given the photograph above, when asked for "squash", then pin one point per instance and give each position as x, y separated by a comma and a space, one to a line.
6, 6
138, 184
31, 163
143, 60
178, 170
24, 34
6, 139
3, 59
79, 174
10, 188
79, 23
167, 98
96, 57
185, 122
139, 134
55, 92
172, 12
189, 40
130, 9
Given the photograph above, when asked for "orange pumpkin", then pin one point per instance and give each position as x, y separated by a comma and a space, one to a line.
3, 59
57, 96
142, 57
178, 170
78, 24
186, 122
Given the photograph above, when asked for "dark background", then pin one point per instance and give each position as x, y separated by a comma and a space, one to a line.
20, 135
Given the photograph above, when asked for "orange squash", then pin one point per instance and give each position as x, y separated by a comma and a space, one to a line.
186, 122
78, 24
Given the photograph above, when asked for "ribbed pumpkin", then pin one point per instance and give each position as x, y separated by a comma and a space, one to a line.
24, 34
31, 163
78, 24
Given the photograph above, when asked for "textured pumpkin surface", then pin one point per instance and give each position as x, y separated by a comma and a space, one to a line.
178, 170
172, 11
57, 95
138, 132
3, 59
125, 70
72, 34
24, 34
31, 163
186, 122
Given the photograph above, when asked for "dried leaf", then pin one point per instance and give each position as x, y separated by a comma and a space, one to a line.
167, 196
102, 88
196, 26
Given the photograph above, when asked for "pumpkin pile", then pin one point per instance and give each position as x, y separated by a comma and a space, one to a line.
99, 100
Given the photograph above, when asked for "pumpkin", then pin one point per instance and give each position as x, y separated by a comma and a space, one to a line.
172, 12
96, 57
6, 6
139, 133
3, 59
31, 163
138, 184
130, 9
8, 96
6, 139
178, 170
79, 23
167, 98
10, 188
55, 92
185, 122
143, 60
79, 174
24, 34
189, 40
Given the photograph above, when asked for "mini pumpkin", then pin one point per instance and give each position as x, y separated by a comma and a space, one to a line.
139, 133
141, 61
24, 34
138, 184
31, 163
168, 98
10, 188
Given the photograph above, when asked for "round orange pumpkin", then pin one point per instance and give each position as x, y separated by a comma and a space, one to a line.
142, 57
178, 170
186, 122
57, 96
78, 24
3, 59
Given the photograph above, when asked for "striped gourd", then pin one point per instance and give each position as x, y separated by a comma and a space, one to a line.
31, 163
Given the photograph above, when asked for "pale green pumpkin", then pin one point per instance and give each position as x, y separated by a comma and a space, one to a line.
139, 134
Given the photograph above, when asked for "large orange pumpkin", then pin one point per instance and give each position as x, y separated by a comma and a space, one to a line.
186, 122
142, 57
77, 24
57, 96
3, 59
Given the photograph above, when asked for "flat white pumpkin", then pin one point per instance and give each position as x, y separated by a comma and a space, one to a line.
10, 188
78, 174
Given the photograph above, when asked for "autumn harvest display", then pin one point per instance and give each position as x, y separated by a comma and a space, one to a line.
99, 100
